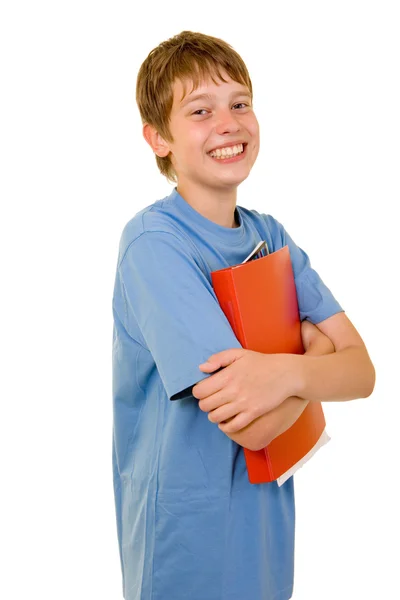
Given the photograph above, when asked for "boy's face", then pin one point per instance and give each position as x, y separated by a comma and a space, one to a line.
223, 118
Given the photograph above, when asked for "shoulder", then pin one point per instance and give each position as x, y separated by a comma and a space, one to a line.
150, 221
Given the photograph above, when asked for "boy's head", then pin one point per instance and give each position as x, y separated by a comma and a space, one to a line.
182, 134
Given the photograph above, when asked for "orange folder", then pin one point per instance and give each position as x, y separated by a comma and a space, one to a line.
259, 300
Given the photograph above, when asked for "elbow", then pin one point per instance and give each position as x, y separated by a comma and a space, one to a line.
255, 436
366, 374
260, 447
250, 442
262, 443
371, 381
254, 447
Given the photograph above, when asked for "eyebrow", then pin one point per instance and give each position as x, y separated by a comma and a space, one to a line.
190, 99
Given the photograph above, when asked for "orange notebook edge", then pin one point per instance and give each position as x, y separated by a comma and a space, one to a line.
323, 439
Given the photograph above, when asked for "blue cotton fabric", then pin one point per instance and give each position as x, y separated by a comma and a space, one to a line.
189, 523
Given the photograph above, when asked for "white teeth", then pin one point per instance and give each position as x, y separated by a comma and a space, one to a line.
231, 151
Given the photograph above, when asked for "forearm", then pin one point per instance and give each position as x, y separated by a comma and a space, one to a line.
347, 374
260, 432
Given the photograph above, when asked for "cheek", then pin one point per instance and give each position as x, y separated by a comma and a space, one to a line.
198, 136
254, 128
255, 137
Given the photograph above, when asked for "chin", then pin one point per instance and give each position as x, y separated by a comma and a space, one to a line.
236, 179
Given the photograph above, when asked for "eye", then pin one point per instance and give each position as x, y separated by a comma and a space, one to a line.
197, 112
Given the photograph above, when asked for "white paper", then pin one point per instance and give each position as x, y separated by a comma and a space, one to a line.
324, 439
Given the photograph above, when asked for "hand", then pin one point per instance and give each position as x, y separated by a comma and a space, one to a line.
267, 427
251, 384
263, 430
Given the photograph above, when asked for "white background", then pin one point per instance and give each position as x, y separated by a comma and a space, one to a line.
75, 168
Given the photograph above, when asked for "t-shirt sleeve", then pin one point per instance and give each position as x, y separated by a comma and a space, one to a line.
315, 299
175, 307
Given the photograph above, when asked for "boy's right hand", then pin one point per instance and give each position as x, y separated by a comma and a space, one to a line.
269, 426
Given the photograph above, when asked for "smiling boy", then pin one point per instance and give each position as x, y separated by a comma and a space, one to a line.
190, 525
210, 182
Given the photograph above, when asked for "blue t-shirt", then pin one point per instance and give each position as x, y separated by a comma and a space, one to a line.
190, 525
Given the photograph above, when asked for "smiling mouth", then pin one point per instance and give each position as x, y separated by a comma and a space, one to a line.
227, 157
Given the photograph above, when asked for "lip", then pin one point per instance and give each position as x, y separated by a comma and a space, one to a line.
229, 145
226, 161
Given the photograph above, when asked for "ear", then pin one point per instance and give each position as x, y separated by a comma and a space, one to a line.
154, 139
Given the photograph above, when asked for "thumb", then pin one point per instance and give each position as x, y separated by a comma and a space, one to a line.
221, 359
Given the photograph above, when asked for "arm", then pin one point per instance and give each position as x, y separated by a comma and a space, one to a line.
346, 374
264, 429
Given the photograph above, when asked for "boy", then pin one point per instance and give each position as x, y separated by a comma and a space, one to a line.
190, 525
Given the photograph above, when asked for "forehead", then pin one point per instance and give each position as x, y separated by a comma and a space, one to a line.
182, 88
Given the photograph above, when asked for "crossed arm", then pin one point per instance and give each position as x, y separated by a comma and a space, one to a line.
265, 428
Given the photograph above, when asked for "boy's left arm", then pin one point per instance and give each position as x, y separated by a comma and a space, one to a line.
346, 374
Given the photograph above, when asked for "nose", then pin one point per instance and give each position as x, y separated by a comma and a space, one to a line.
226, 121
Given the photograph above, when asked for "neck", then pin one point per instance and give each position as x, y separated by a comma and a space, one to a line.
216, 205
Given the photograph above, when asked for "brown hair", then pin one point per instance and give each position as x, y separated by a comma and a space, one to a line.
188, 55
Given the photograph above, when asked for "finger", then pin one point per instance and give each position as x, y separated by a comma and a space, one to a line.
214, 401
224, 358
236, 424
208, 366
209, 386
222, 414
